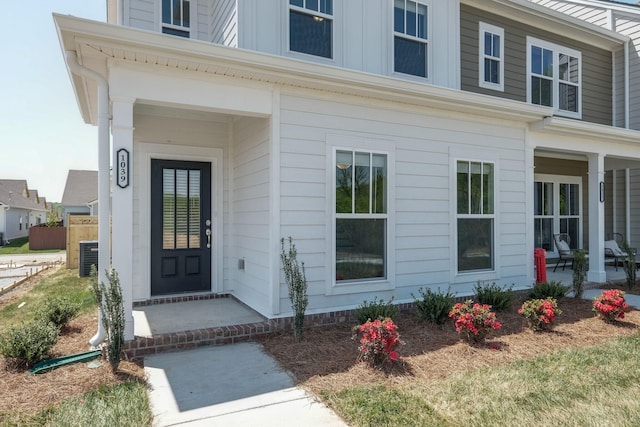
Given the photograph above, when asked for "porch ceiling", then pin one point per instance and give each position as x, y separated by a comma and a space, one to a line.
610, 162
147, 108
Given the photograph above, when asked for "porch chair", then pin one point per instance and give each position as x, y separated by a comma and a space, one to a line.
613, 249
563, 242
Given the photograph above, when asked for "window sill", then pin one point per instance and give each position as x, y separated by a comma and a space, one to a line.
359, 287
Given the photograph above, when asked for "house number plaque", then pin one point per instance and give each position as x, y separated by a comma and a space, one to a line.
123, 168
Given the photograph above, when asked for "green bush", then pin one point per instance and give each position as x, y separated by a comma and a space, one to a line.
111, 304
58, 311
434, 307
376, 309
551, 289
497, 297
24, 346
579, 273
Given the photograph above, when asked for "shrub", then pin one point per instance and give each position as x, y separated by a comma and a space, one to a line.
610, 305
111, 304
474, 321
579, 273
376, 309
297, 284
378, 341
498, 298
540, 313
28, 344
58, 311
629, 264
434, 306
555, 290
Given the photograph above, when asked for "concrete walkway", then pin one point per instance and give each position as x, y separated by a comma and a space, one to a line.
230, 385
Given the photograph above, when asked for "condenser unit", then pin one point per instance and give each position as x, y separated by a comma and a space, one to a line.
88, 257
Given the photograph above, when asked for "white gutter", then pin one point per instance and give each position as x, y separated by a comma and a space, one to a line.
104, 261
626, 85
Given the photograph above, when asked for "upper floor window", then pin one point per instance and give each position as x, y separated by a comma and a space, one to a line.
176, 17
410, 38
554, 77
311, 27
491, 54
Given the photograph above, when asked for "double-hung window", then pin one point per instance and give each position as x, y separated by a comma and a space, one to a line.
361, 215
176, 18
554, 77
491, 63
475, 215
311, 27
411, 38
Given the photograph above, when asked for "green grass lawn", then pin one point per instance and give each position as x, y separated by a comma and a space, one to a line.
598, 386
21, 246
62, 283
124, 404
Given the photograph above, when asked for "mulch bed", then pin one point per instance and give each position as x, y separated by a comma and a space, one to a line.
327, 359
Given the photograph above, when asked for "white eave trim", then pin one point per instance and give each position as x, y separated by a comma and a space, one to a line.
586, 130
542, 17
278, 70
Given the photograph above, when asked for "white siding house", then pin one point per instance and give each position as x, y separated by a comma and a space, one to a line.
232, 132
20, 208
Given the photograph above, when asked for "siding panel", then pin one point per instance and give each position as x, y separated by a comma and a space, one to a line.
596, 63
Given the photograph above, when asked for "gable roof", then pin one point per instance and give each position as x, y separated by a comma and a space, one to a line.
81, 188
16, 193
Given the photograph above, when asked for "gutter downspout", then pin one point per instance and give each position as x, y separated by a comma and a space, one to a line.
626, 85
104, 261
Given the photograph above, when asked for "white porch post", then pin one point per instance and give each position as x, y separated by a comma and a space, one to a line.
122, 200
596, 219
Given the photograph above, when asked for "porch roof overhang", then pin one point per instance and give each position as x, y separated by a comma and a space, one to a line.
587, 131
533, 14
96, 43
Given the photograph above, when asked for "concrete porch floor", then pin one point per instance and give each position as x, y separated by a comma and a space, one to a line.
156, 319
566, 276
193, 323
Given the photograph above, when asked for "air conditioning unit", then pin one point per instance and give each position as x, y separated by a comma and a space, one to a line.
88, 257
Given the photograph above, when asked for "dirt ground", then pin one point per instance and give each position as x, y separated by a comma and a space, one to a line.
327, 358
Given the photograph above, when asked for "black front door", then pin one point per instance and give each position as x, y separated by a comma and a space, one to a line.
180, 227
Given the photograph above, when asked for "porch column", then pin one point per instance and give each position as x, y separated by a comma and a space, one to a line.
122, 204
596, 197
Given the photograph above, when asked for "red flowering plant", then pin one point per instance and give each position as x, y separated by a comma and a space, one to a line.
610, 305
378, 341
540, 313
474, 321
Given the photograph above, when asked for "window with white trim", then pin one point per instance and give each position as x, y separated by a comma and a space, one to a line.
491, 63
176, 19
311, 27
361, 215
475, 215
411, 38
554, 77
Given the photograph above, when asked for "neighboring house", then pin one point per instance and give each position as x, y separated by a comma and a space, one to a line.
80, 190
20, 208
400, 144
623, 185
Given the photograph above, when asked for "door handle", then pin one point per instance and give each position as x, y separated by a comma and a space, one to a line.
208, 233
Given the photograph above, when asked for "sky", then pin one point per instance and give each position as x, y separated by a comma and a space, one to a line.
42, 134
